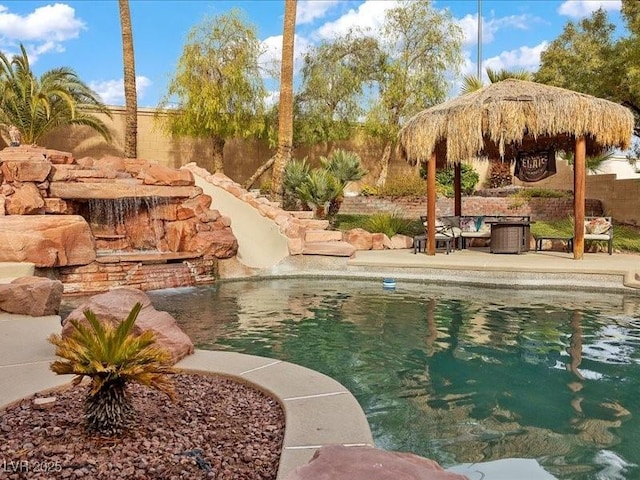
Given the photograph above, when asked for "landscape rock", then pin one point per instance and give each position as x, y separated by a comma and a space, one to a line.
26, 171
34, 296
26, 200
359, 238
332, 249
115, 305
337, 462
46, 240
401, 241
155, 174
380, 241
313, 236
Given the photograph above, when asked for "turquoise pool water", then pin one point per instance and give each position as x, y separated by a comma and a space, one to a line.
451, 373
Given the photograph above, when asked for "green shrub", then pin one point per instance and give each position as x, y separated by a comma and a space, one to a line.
468, 180
265, 187
388, 223
407, 185
537, 192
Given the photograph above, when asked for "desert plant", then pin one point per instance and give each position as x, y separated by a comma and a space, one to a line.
388, 223
319, 188
295, 174
111, 356
345, 166
407, 185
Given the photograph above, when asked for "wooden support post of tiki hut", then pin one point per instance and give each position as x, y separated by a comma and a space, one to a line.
431, 205
457, 189
579, 186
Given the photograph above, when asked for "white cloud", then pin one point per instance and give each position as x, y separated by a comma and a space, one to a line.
527, 58
41, 31
309, 10
369, 15
272, 48
112, 91
583, 8
469, 25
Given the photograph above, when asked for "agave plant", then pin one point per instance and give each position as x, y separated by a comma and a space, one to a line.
112, 356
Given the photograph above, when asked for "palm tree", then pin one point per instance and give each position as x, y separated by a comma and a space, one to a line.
500, 173
37, 106
130, 98
285, 111
112, 356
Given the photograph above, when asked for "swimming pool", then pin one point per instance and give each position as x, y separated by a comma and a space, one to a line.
457, 374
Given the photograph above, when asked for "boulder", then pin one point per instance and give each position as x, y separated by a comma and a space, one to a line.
359, 238
380, 241
217, 243
337, 462
26, 200
34, 153
46, 240
115, 305
401, 241
35, 296
154, 174
26, 171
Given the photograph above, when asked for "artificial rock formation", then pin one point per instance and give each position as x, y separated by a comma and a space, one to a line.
116, 204
115, 305
35, 296
337, 462
46, 240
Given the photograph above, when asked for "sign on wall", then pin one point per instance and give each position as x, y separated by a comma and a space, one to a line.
535, 166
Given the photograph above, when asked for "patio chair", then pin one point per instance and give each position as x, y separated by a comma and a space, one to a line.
599, 229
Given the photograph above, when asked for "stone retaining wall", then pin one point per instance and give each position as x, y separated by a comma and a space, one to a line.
536, 208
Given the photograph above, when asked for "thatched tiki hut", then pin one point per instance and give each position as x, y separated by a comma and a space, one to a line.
511, 118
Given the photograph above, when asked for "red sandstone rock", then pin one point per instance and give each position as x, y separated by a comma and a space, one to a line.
35, 296
46, 240
58, 206
154, 174
378, 241
359, 238
323, 236
401, 241
3, 210
111, 162
36, 153
218, 243
26, 171
26, 200
337, 462
86, 162
333, 249
115, 305
193, 206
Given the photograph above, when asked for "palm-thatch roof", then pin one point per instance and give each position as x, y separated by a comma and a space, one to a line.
514, 115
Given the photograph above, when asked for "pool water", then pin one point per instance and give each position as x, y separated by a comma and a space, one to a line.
457, 374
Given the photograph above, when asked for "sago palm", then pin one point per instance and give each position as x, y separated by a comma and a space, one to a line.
36, 106
112, 356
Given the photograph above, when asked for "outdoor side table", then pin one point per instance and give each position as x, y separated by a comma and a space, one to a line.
420, 242
510, 236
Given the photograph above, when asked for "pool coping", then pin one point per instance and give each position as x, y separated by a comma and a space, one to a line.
318, 410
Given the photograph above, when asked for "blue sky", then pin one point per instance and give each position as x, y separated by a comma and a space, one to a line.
85, 35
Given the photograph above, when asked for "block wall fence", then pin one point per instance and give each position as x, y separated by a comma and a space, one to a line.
619, 198
537, 208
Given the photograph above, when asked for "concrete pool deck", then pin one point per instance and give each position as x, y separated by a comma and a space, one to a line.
318, 409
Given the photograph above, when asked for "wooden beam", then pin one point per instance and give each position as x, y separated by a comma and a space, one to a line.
579, 187
457, 189
431, 205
